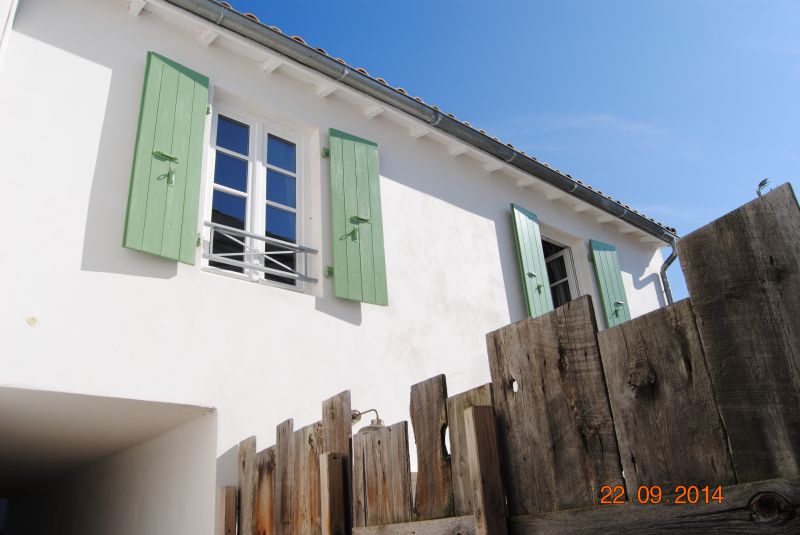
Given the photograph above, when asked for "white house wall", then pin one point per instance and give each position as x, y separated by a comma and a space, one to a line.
111, 321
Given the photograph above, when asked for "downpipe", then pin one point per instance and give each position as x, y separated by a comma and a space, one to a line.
664, 279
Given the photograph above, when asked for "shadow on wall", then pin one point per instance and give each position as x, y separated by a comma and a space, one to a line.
102, 246
105, 221
348, 311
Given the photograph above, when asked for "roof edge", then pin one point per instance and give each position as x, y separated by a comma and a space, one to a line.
240, 24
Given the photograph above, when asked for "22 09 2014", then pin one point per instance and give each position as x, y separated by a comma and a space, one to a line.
655, 494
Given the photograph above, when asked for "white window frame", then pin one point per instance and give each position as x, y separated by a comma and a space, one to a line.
569, 266
256, 197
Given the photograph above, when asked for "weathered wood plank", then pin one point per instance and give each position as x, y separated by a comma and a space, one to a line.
337, 424
337, 428
766, 507
456, 405
247, 486
556, 433
265, 490
484, 467
283, 481
668, 426
459, 525
230, 513
743, 275
304, 451
434, 492
333, 503
381, 476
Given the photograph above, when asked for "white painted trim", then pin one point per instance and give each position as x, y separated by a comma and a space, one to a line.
271, 64
255, 210
491, 167
372, 111
326, 88
579, 208
418, 131
207, 37
136, 6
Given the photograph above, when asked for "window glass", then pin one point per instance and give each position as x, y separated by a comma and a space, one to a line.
230, 172
281, 188
560, 293
233, 135
228, 210
281, 154
556, 269
280, 224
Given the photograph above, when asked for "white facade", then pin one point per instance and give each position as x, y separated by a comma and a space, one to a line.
81, 314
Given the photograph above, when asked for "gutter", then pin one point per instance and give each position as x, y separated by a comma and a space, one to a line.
311, 58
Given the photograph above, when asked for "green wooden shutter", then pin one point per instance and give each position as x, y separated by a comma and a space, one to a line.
531, 261
609, 280
164, 195
359, 266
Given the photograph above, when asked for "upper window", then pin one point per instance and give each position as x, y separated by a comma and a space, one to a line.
560, 272
254, 203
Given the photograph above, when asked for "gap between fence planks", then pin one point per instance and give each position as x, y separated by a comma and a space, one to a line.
557, 440
743, 275
668, 426
765, 507
428, 408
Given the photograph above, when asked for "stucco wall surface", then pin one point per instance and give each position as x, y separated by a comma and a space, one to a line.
110, 321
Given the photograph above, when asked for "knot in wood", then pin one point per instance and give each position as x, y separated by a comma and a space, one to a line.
642, 375
770, 508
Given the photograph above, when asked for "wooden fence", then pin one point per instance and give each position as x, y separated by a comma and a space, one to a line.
701, 394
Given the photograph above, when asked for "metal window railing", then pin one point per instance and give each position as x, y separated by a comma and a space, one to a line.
259, 253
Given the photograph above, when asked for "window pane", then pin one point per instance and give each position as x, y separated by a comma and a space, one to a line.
281, 154
230, 211
231, 172
560, 293
233, 135
556, 269
280, 224
281, 188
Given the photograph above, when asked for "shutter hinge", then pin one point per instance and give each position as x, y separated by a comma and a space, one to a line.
328, 273
326, 152
199, 239
208, 109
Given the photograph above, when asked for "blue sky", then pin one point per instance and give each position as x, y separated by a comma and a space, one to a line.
677, 107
